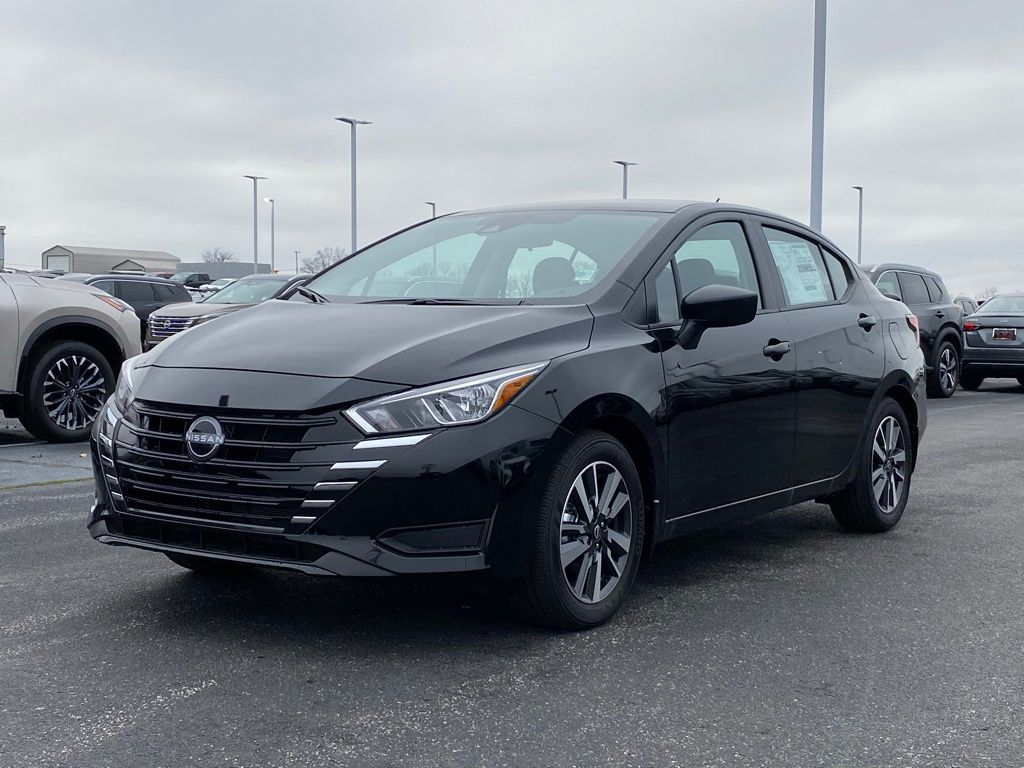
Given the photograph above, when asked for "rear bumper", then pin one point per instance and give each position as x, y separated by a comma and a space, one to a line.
995, 362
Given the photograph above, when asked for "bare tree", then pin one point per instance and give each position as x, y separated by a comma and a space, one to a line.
217, 256
323, 259
988, 293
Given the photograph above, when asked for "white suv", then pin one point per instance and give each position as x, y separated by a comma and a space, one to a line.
60, 346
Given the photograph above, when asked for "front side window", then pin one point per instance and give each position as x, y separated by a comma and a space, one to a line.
914, 290
805, 279
717, 254
887, 283
512, 255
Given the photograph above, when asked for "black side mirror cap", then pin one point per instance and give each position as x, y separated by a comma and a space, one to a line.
714, 306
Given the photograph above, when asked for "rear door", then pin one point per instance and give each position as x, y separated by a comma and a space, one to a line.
929, 315
729, 406
839, 349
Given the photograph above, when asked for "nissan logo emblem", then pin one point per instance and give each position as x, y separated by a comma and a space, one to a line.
204, 437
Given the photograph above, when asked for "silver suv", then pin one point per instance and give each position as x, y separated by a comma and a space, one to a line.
60, 346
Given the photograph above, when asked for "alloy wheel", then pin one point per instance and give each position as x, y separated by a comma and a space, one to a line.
948, 369
888, 464
73, 392
595, 535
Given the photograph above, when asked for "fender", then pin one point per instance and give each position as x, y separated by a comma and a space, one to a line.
70, 321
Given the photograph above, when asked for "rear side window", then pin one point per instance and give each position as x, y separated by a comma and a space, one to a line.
717, 254
805, 280
133, 290
107, 286
935, 291
887, 283
914, 290
839, 272
164, 292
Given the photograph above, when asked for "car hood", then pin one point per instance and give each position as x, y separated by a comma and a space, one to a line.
197, 308
393, 343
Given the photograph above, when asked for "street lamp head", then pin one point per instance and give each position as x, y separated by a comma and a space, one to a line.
352, 121
624, 163
268, 200
859, 189
254, 178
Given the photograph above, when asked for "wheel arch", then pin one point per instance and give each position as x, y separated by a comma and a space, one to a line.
949, 332
630, 424
80, 329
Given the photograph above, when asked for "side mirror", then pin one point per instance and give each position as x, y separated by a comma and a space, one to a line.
714, 306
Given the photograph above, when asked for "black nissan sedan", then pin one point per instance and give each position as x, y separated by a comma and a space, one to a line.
994, 341
541, 392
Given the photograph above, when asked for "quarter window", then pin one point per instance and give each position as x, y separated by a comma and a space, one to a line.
717, 254
839, 273
914, 290
887, 283
805, 279
934, 289
668, 299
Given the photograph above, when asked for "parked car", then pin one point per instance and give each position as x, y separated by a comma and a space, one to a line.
191, 280
164, 275
967, 304
143, 293
994, 341
600, 377
940, 318
216, 285
242, 293
60, 344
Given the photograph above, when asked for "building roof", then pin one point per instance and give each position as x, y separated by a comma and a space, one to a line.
118, 253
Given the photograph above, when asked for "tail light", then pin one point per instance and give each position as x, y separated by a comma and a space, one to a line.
971, 325
914, 326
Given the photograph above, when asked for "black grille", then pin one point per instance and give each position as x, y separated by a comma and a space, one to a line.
258, 479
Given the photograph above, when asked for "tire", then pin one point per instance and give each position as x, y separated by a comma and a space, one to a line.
566, 524
945, 373
970, 381
207, 566
859, 507
1020, 380
67, 366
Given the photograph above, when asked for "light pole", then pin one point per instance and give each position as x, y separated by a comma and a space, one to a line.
296, 262
860, 219
255, 221
353, 122
818, 113
271, 201
625, 176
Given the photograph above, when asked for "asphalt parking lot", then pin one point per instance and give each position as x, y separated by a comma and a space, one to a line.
781, 642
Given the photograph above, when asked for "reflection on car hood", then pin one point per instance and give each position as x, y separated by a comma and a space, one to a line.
195, 309
395, 343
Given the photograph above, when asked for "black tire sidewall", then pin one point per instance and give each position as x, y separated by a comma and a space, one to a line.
588, 448
36, 419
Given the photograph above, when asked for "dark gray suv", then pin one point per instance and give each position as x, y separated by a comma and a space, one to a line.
940, 319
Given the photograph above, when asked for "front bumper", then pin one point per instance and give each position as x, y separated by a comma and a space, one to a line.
320, 498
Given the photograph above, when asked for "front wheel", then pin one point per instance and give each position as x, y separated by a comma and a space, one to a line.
586, 547
946, 372
875, 500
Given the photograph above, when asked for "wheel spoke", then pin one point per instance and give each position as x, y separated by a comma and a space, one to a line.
620, 540
899, 456
595, 590
572, 550
611, 485
581, 577
879, 487
879, 449
612, 564
584, 502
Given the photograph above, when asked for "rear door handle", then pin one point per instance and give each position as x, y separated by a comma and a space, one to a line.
940, 313
867, 322
776, 349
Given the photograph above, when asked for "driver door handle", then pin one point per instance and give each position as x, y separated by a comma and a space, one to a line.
776, 349
867, 322
940, 314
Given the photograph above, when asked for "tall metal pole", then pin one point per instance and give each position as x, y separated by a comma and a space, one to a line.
353, 122
3, 234
625, 176
818, 113
255, 221
860, 220
271, 201
433, 248
296, 262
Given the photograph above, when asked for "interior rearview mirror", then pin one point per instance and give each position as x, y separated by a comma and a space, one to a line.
714, 306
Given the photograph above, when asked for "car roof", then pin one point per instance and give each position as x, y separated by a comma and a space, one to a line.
889, 265
130, 276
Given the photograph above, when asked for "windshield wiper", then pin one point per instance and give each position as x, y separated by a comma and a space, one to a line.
309, 293
416, 302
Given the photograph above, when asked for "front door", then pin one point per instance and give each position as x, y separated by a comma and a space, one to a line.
730, 403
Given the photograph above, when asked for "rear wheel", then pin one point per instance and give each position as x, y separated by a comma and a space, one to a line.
946, 371
207, 566
875, 500
970, 381
587, 542
66, 387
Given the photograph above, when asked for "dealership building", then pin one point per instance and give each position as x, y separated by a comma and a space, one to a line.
99, 261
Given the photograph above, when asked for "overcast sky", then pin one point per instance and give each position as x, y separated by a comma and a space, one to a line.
129, 124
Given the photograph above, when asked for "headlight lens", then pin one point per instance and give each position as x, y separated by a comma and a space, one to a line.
117, 304
464, 401
124, 393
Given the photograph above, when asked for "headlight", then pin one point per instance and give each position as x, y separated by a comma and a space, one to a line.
124, 393
117, 304
451, 404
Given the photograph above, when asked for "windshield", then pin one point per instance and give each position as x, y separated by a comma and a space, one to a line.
515, 256
247, 291
1003, 305
181, 277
